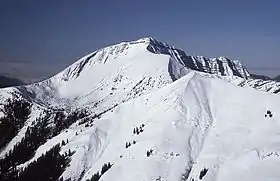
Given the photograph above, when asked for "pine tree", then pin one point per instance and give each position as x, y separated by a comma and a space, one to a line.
148, 153
203, 173
63, 143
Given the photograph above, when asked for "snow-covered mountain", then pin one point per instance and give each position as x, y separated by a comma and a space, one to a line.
117, 69
143, 110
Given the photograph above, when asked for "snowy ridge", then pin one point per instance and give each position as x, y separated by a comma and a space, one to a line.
220, 66
102, 56
263, 85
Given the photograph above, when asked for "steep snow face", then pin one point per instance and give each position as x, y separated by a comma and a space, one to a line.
196, 123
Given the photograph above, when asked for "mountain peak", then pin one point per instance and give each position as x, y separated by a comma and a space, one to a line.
222, 66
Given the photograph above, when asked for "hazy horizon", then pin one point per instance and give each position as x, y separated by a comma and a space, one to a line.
39, 39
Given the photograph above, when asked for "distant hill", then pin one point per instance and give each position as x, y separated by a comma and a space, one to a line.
277, 78
9, 82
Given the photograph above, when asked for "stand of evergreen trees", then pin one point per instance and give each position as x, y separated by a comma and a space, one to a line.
16, 112
63, 121
98, 175
50, 165
25, 149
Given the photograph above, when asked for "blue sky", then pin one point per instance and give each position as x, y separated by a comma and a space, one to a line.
39, 38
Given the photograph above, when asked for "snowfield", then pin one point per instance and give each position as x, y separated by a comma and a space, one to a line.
164, 116
191, 124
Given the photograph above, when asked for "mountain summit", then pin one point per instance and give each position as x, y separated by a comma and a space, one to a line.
142, 110
119, 68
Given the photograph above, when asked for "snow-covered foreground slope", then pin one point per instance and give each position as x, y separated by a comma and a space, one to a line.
155, 114
191, 124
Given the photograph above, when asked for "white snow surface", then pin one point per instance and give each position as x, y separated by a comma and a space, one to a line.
194, 116
191, 124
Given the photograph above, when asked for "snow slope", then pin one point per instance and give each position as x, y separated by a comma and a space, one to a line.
191, 124
192, 116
